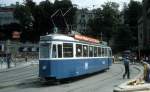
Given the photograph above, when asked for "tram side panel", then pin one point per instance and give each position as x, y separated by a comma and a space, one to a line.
44, 68
70, 68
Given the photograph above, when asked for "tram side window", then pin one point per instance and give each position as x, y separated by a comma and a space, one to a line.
91, 51
54, 53
68, 49
59, 51
85, 51
78, 50
95, 51
99, 51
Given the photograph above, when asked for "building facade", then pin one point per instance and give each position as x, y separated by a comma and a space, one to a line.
6, 15
81, 20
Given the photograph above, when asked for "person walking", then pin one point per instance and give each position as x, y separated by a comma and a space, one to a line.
127, 70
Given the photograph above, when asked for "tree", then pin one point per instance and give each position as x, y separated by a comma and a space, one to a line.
23, 14
123, 38
126, 36
106, 20
67, 10
110, 19
132, 14
47, 9
95, 23
36, 19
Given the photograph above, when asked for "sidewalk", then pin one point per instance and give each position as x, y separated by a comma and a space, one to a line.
14, 65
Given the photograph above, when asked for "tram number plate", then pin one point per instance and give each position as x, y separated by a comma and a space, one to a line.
103, 62
86, 65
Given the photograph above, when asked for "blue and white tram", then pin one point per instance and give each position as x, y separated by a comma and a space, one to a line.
62, 56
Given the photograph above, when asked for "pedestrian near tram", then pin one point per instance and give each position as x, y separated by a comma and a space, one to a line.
126, 66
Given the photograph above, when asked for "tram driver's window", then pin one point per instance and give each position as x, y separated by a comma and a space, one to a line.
78, 50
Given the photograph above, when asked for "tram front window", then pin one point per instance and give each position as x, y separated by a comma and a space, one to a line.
45, 50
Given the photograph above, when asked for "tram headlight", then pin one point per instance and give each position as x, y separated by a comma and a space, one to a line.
44, 67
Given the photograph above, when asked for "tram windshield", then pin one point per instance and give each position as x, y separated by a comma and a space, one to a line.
45, 50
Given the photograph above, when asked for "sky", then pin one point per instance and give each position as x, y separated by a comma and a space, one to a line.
81, 3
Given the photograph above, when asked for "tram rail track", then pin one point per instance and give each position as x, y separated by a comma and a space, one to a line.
87, 87
81, 85
14, 69
19, 78
20, 71
18, 75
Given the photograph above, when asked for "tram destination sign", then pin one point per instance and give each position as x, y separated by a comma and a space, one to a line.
85, 38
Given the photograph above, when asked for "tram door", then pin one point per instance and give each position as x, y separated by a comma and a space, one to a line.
57, 51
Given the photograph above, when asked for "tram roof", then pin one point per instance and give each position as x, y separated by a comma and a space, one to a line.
57, 37
50, 37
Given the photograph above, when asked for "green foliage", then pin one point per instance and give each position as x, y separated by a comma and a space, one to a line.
67, 9
106, 20
36, 19
23, 15
132, 14
127, 35
123, 38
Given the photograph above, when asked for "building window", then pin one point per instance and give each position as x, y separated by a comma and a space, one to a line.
82, 16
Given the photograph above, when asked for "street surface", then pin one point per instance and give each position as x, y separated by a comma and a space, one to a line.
26, 79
